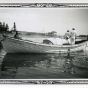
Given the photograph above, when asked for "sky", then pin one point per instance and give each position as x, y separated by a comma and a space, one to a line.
46, 19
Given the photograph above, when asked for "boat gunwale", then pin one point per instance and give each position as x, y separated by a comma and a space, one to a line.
57, 46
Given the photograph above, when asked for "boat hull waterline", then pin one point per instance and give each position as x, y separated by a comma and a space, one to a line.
12, 45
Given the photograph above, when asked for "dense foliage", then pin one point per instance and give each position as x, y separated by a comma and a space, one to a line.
4, 27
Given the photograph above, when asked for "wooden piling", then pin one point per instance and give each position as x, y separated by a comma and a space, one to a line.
68, 53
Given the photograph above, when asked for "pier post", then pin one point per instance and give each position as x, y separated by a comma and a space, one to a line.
68, 52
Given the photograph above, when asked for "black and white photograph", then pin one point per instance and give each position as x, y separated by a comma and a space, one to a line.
43, 43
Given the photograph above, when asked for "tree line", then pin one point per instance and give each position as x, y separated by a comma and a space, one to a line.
5, 28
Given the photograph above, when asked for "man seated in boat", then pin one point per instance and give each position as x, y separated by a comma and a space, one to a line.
17, 35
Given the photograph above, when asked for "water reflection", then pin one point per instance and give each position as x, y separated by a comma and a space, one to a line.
69, 65
15, 66
11, 62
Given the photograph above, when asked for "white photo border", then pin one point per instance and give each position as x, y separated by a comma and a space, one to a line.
44, 5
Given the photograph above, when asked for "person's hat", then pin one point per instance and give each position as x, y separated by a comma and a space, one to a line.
67, 30
73, 28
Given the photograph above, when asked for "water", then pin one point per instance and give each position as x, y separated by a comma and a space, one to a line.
43, 66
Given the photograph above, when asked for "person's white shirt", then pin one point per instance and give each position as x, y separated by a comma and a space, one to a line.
73, 36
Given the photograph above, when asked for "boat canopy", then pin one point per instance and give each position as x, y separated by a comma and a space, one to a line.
55, 41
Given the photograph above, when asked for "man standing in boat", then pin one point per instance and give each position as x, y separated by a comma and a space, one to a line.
67, 36
73, 36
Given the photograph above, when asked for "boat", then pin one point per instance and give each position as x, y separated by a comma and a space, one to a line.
12, 45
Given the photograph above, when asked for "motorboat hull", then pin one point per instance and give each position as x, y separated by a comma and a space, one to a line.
12, 45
